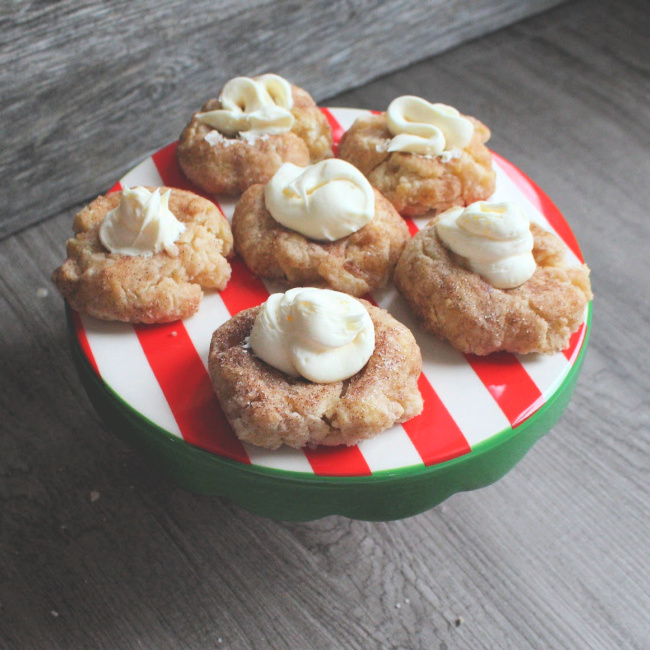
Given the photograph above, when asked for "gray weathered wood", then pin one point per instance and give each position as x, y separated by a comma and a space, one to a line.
98, 551
88, 87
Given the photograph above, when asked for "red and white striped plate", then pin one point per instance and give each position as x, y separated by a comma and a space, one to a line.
160, 372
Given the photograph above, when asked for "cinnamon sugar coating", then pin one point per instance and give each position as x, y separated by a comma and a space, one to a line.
269, 408
355, 264
463, 308
417, 184
230, 165
156, 289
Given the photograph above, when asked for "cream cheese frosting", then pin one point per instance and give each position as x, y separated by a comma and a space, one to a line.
493, 240
252, 107
324, 202
319, 334
419, 127
142, 224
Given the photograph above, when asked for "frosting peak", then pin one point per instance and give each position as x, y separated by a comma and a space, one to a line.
142, 224
322, 335
253, 106
493, 239
325, 201
418, 126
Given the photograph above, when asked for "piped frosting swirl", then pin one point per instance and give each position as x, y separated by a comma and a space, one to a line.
324, 202
252, 107
142, 224
492, 239
319, 334
419, 127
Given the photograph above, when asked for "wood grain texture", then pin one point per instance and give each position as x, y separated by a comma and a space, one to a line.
98, 551
89, 87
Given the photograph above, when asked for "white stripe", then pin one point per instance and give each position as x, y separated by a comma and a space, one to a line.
468, 401
227, 205
346, 116
421, 222
546, 370
507, 190
285, 458
145, 173
123, 366
212, 313
390, 449
581, 340
464, 395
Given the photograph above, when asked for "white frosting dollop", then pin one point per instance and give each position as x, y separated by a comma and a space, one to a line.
494, 240
253, 107
319, 334
420, 127
324, 202
142, 224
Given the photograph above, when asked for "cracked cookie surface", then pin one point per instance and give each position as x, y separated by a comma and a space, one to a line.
463, 308
417, 184
354, 264
155, 289
268, 408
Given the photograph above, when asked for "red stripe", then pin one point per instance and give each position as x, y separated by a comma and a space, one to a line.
447, 441
434, 433
244, 289
413, 229
188, 389
575, 343
83, 340
539, 199
116, 188
176, 364
167, 166
337, 129
337, 461
171, 174
509, 384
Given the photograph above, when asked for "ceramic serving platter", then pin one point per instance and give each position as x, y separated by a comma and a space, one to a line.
481, 414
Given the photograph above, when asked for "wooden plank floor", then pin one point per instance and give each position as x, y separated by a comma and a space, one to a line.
98, 551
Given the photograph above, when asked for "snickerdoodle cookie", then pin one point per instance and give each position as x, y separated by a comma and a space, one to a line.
268, 407
422, 157
173, 243
452, 298
245, 135
322, 226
